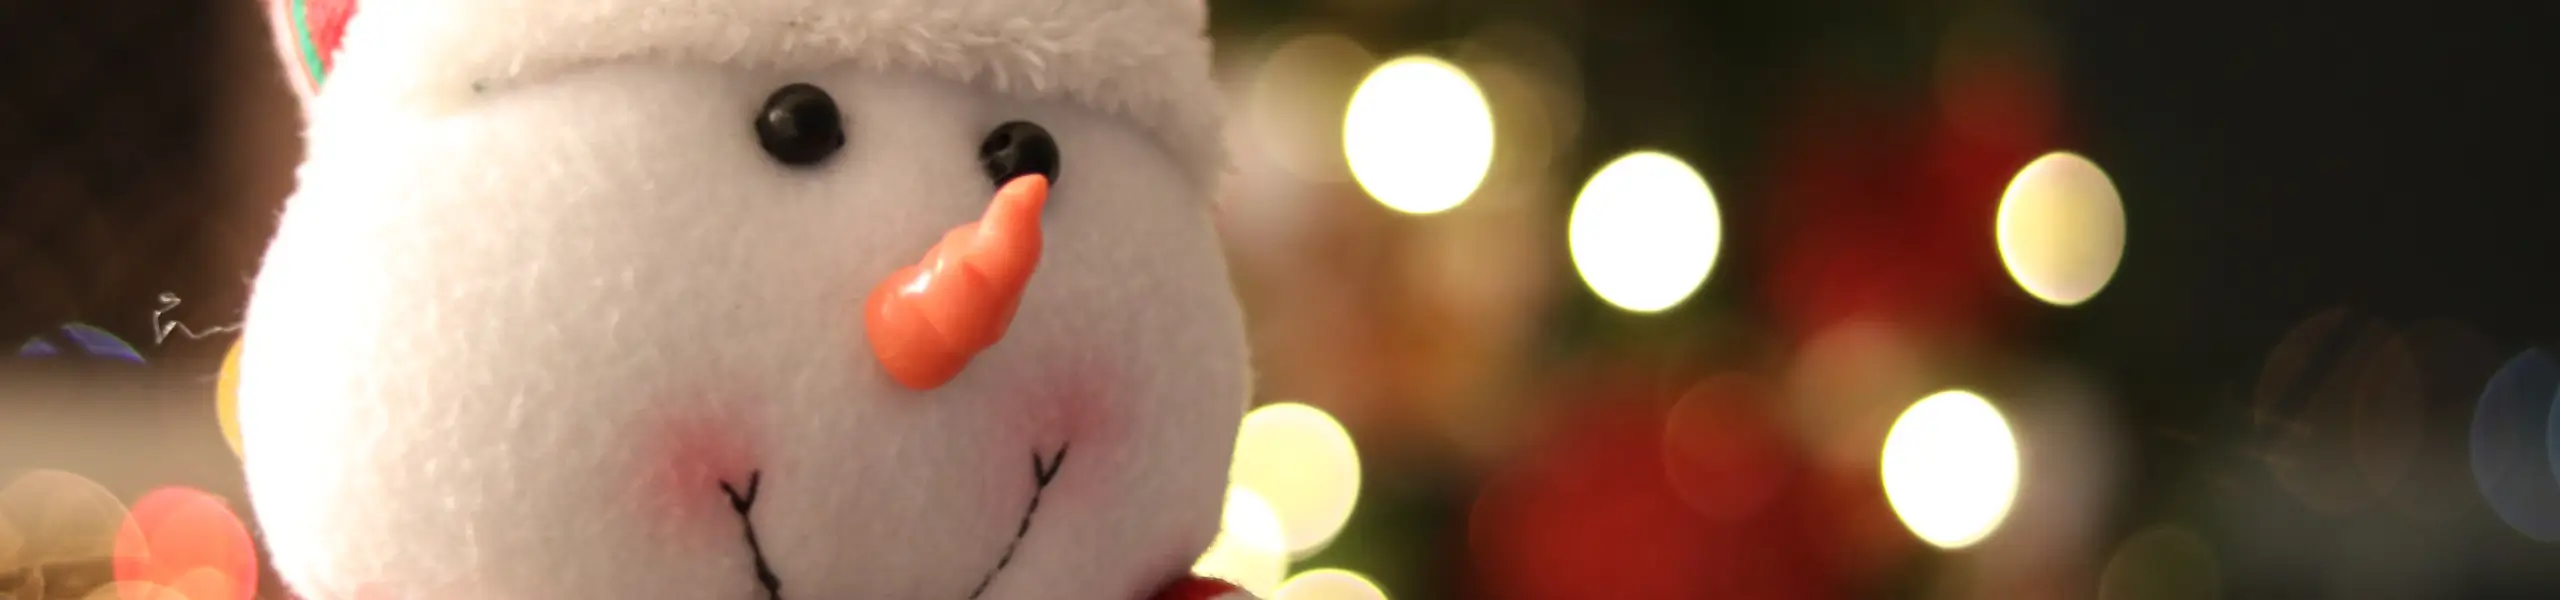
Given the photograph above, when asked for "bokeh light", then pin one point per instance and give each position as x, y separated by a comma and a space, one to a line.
1723, 452
79, 339
2163, 562
57, 517
1534, 86
60, 516
203, 582
1848, 383
1294, 107
135, 590
1419, 135
1301, 461
2508, 456
2339, 406
2061, 229
1951, 468
1645, 232
1329, 584
226, 397
2454, 364
2071, 471
176, 535
1249, 550
1587, 513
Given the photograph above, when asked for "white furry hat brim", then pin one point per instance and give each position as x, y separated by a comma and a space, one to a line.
1144, 60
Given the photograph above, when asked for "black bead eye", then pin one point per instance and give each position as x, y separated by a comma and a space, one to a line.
1016, 149
800, 125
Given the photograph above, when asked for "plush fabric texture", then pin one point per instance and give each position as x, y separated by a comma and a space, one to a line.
1145, 60
576, 335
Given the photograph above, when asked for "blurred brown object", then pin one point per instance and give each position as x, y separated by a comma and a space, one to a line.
87, 444
120, 164
52, 517
58, 580
1401, 323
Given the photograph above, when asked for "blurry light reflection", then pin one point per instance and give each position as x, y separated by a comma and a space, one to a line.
1722, 451
226, 397
57, 517
1419, 135
1951, 469
1302, 462
80, 340
1329, 584
175, 533
1535, 89
2508, 445
207, 584
1848, 383
2307, 410
1249, 550
2163, 562
1537, 55
2061, 229
135, 590
2070, 467
1645, 232
2454, 364
1296, 103
1587, 514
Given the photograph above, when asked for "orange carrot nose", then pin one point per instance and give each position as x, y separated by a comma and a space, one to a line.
927, 320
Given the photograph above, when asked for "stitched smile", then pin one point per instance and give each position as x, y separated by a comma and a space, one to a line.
1040, 474
1043, 472
743, 503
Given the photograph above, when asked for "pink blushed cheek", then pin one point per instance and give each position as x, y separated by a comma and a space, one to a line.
689, 456
1078, 405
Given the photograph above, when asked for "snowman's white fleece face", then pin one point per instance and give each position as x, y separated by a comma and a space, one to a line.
587, 337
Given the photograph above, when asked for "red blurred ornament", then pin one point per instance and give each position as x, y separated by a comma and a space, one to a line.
1723, 452
1639, 496
1887, 209
1591, 517
187, 541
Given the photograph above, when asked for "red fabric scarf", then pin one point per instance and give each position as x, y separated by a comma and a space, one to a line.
1201, 588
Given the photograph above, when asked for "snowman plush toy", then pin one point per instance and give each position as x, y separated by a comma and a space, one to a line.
745, 300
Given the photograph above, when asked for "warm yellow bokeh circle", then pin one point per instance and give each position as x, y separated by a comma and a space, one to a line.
227, 397
1302, 461
2061, 229
1249, 551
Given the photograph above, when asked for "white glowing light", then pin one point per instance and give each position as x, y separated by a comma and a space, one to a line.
1302, 461
1951, 469
2061, 229
1329, 584
1250, 550
1418, 135
1645, 232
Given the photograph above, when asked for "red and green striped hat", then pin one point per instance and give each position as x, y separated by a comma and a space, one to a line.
308, 33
